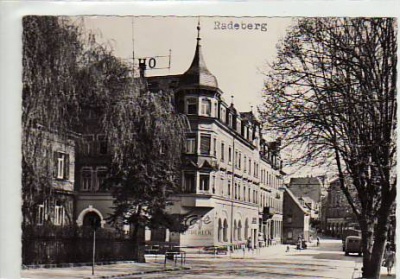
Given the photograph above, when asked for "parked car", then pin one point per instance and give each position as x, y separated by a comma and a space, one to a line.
349, 232
353, 245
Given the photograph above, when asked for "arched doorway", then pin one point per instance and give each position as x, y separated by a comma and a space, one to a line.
90, 219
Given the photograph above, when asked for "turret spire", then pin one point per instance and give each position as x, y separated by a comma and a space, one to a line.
198, 74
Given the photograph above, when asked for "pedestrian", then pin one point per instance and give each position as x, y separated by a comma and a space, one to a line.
249, 246
389, 259
317, 240
299, 246
287, 248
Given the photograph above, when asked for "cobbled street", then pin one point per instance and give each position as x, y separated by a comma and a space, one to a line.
325, 261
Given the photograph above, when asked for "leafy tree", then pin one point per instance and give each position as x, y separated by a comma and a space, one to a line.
332, 90
51, 49
146, 137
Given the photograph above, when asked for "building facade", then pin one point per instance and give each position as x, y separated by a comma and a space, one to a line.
296, 219
231, 175
339, 215
58, 208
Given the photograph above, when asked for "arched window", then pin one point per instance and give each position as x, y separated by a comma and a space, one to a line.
240, 230
225, 231
246, 229
220, 230
234, 230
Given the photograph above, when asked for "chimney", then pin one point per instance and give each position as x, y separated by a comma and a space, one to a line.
142, 67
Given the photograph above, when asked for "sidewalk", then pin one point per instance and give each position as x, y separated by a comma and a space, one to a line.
103, 271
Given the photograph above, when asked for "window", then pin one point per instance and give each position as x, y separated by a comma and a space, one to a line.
289, 219
58, 215
245, 164
191, 106
102, 144
250, 166
240, 230
190, 145
236, 158
225, 230
101, 177
213, 184
220, 228
240, 161
206, 107
61, 161
236, 191
205, 144
230, 120
290, 235
215, 147
223, 114
230, 155
87, 144
222, 151
40, 214
204, 182
86, 179
234, 230
189, 184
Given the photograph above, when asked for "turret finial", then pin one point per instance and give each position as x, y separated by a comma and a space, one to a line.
198, 30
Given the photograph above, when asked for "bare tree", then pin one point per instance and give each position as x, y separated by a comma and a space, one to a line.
332, 89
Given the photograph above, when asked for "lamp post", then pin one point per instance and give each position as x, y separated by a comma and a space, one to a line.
95, 224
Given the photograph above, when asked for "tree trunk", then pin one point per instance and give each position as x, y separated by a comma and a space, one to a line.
139, 250
372, 258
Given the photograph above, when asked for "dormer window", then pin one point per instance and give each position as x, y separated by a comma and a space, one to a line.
223, 114
230, 120
206, 107
191, 106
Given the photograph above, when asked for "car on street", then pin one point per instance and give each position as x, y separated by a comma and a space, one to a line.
353, 245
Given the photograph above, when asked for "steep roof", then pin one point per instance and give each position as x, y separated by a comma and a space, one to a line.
198, 73
306, 187
296, 201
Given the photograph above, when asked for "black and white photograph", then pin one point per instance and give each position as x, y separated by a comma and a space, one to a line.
208, 147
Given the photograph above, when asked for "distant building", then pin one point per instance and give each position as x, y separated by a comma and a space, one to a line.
310, 191
296, 219
339, 215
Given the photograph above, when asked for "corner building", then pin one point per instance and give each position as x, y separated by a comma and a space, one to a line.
230, 175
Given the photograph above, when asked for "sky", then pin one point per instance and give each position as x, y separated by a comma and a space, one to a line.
236, 57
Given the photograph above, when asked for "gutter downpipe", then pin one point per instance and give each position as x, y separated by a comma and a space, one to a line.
232, 191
